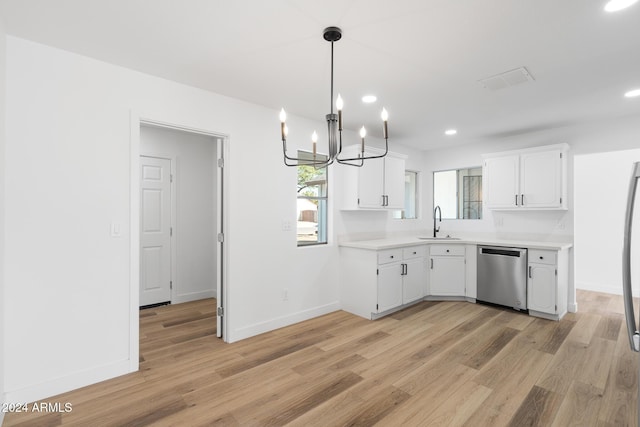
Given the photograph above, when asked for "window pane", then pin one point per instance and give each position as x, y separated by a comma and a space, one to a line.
312, 202
410, 210
445, 193
312, 229
410, 195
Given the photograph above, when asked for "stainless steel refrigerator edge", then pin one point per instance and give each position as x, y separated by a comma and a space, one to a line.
502, 276
632, 329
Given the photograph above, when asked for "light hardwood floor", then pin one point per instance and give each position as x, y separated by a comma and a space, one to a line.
436, 363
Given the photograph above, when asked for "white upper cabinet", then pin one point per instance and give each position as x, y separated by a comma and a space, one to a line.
378, 184
501, 175
526, 179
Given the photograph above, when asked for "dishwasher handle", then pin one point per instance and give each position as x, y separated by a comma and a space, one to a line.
512, 252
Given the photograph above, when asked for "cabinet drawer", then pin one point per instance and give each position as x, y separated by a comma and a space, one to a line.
452, 250
542, 257
413, 252
389, 255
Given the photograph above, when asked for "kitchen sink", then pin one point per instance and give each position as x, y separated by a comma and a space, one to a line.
439, 238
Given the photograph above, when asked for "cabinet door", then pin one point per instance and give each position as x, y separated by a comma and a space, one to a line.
447, 276
389, 286
394, 182
541, 179
371, 183
500, 181
414, 280
541, 288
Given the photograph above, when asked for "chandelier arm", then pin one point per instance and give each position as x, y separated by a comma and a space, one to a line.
300, 161
352, 159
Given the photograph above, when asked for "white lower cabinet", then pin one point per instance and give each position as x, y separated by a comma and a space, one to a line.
389, 287
414, 280
375, 282
447, 272
547, 284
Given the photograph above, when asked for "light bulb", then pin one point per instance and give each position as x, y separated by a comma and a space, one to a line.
363, 132
384, 115
339, 103
632, 93
283, 116
616, 5
314, 137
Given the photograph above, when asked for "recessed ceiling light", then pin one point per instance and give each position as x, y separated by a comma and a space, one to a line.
450, 132
616, 5
632, 93
369, 99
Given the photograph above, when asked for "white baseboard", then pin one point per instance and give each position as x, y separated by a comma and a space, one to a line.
603, 287
67, 383
194, 296
282, 321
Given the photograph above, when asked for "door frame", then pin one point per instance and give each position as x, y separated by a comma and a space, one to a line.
222, 223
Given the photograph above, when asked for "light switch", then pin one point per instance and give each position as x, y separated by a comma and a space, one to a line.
116, 229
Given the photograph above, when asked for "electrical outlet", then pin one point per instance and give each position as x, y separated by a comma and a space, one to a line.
286, 225
285, 294
498, 221
560, 225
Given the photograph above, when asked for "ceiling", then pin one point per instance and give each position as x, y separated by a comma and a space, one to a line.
422, 58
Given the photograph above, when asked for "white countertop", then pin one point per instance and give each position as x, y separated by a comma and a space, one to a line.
396, 242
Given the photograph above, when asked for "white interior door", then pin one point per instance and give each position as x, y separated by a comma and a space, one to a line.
155, 230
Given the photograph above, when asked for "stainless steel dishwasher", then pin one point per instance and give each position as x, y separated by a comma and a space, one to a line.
502, 276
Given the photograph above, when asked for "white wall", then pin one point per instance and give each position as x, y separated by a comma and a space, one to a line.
194, 267
601, 185
2, 167
68, 178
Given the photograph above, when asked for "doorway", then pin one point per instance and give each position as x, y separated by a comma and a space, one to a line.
197, 268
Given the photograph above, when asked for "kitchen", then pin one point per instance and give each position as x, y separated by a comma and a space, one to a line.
84, 110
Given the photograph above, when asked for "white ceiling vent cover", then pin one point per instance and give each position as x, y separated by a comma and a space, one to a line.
507, 79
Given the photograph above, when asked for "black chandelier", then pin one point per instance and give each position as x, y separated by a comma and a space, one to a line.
334, 126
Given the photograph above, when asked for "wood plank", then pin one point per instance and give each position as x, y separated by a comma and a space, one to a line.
560, 332
580, 406
538, 409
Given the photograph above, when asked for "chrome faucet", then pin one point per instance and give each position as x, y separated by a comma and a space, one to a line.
439, 211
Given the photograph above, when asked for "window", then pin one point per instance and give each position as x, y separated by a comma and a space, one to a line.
410, 210
312, 202
458, 192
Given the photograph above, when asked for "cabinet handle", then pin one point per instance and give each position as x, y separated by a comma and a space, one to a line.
432, 263
516, 200
447, 250
406, 269
414, 252
522, 200
530, 273
391, 257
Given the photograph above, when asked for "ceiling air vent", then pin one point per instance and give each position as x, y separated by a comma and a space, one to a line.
507, 79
